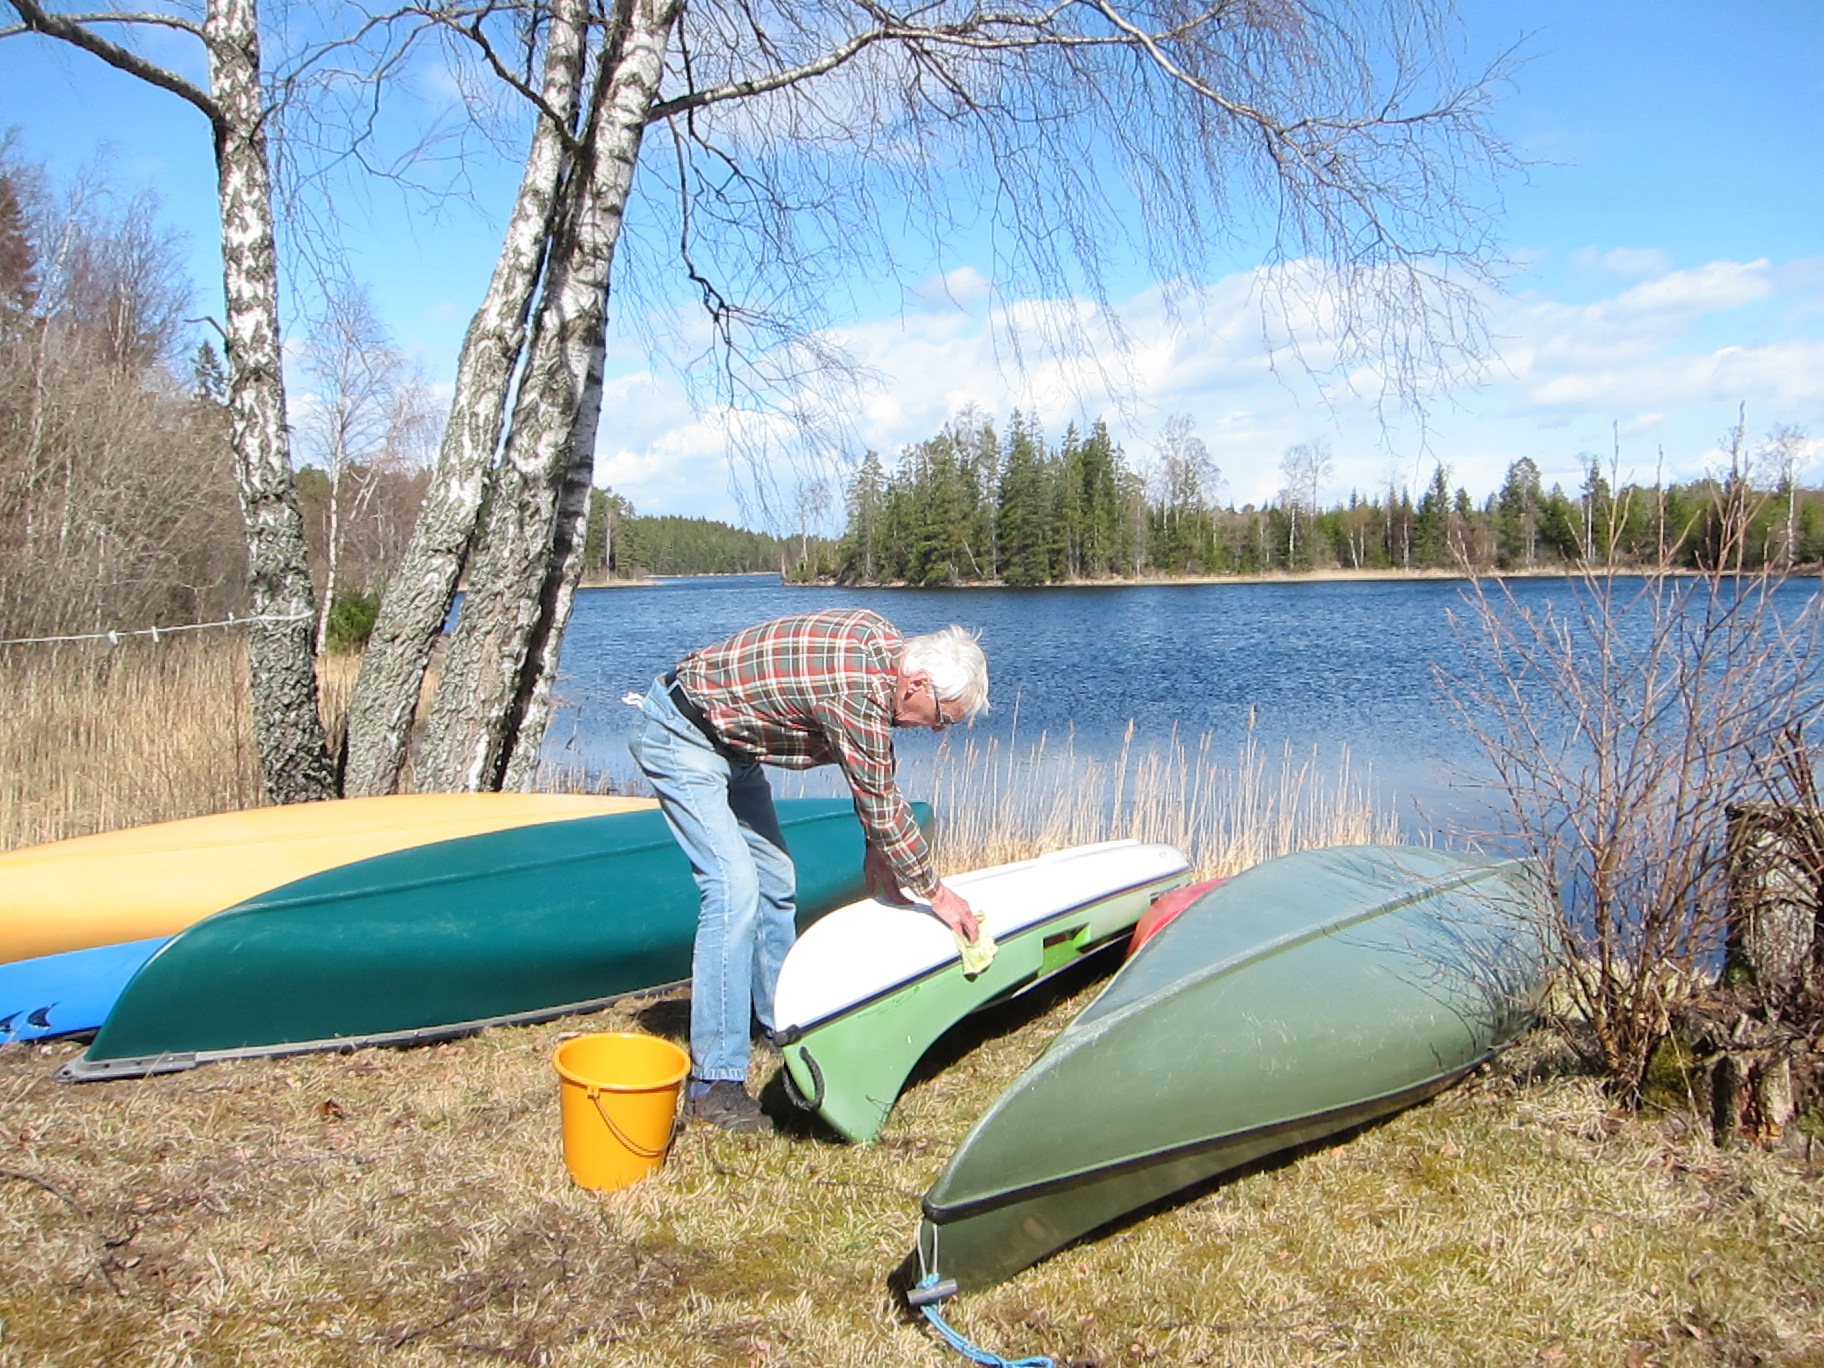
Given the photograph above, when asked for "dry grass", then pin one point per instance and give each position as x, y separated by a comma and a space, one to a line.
103, 737
100, 737
410, 1208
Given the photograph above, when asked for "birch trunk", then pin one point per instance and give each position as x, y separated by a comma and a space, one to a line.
496, 666
420, 592
333, 540
557, 596
294, 752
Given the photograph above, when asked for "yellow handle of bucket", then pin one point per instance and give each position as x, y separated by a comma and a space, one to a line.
595, 1096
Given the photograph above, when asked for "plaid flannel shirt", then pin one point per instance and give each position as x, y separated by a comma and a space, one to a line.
817, 689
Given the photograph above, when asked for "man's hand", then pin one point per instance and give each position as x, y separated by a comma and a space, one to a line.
882, 883
954, 913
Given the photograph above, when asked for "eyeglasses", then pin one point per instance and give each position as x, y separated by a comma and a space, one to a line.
943, 721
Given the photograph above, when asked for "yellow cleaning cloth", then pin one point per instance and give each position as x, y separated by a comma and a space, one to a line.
979, 953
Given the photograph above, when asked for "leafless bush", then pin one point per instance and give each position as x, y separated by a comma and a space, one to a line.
117, 501
1620, 721
369, 428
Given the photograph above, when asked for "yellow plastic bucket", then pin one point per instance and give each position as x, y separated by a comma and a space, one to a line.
619, 1095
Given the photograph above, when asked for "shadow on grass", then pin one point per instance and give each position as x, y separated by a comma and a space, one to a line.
1005, 1017
1013, 1014
905, 1276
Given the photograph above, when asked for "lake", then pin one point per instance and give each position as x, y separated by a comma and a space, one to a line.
1324, 664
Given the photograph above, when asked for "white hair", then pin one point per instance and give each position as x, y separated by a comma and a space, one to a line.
954, 660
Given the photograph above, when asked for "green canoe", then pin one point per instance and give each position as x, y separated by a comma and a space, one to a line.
1304, 996
867, 990
442, 939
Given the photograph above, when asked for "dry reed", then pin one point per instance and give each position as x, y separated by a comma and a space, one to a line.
100, 737
996, 804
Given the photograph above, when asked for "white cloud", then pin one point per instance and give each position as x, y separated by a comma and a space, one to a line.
1630, 261
952, 289
1661, 363
1720, 285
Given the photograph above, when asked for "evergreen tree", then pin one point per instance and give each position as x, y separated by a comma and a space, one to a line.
1559, 525
1517, 516
208, 377
1431, 525
1070, 507
859, 554
979, 458
940, 504
1099, 478
604, 548
1025, 511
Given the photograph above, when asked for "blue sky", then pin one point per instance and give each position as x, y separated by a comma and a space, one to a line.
1668, 243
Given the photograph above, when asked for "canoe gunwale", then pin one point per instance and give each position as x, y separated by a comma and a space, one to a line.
662, 841
1330, 1122
1253, 954
791, 1035
83, 1070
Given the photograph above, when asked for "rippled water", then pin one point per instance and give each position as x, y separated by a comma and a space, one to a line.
1324, 664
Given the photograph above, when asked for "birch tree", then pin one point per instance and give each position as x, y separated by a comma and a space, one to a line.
294, 754
792, 139
1306, 465
354, 418
418, 596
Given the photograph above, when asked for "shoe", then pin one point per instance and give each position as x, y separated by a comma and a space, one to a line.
726, 1105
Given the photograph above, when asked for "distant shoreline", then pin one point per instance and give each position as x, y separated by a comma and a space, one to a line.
1329, 576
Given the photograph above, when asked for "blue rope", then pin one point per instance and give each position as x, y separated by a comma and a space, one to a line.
971, 1351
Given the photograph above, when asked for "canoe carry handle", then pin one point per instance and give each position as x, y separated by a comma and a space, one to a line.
634, 1146
930, 1296
815, 1100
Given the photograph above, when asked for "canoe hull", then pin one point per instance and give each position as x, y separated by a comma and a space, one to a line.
848, 1057
442, 939
155, 880
1297, 1000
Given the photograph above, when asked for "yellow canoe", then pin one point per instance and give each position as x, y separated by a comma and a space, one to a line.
157, 880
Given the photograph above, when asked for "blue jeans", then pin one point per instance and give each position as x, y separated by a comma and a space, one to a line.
720, 809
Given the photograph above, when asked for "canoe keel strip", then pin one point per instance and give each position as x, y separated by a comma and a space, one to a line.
87, 1070
1303, 997
441, 939
867, 990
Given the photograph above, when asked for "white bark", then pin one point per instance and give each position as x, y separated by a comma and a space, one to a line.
558, 594
417, 599
294, 752
493, 669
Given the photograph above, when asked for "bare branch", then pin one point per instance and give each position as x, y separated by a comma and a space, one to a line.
160, 20
474, 33
71, 30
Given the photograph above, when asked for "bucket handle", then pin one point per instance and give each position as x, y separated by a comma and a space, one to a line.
595, 1096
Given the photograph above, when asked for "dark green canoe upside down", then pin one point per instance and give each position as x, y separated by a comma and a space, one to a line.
444, 938
1300, 998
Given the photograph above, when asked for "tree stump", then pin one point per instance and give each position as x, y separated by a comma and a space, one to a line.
1762, 1030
